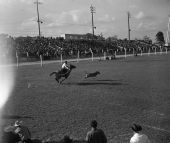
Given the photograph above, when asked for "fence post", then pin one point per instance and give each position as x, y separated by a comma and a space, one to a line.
27, 54
149, 52
41, 60
104, 55
125, 52
17, 62
115, 54
160, 50
78, 54
17, 59
92, 56
61, 58
141, 52
155, 50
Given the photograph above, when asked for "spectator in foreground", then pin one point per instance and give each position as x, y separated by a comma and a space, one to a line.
23, 132
9, 135
138, 137
95, 135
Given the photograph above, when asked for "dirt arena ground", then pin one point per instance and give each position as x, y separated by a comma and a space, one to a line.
131, 90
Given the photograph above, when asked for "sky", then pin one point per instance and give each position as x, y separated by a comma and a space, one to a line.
19, 17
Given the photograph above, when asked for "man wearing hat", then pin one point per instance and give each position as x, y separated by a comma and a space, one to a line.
23, 132
95, 135
138, 137
9, 135
65, 67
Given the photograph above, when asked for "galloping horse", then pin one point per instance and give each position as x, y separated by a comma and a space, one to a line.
60, 74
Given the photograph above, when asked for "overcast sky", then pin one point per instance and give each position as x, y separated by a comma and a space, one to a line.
18, 17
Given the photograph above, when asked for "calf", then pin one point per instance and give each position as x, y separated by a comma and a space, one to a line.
92, 74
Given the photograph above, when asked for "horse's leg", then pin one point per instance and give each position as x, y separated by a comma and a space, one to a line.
62, 80
57, 80
52, 73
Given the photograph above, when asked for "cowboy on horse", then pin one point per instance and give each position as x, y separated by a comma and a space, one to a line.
63, 73
64, 67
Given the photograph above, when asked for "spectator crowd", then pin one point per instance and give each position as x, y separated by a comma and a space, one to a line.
51, 48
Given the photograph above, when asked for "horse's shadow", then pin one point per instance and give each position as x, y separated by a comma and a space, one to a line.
98, 83
95, 82
107, 80
6, 116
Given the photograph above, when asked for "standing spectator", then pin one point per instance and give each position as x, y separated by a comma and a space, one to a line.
9, 135
23, 132
95, 135
138, 137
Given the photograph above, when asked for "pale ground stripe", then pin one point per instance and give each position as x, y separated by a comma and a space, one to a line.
75, 60
156, 128
128, 134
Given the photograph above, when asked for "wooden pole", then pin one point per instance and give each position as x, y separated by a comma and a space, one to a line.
17, 62
104, 55
92, 56
61, 58
115, 55
160, 50
17, 59
125, 52
78, 55
149, 52
155, 50
41, 60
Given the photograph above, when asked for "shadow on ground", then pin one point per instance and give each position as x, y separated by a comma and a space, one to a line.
5, 116
98, 83
10, 137
92, 83
107, 80
95, 82
61, 141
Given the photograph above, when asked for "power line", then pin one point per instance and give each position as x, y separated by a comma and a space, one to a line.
38, 21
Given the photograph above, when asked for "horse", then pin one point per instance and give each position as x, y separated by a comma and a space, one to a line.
60, 74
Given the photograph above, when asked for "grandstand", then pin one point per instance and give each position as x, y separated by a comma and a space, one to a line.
30, 48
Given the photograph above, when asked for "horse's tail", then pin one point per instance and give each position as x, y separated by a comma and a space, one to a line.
52, 73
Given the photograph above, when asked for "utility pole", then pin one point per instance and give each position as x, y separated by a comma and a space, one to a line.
128, 13
167, 33
38, 20
93, 10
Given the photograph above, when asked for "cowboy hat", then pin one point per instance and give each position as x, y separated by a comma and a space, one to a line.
17, 123
136, 128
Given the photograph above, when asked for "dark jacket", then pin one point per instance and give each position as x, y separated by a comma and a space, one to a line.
96, 136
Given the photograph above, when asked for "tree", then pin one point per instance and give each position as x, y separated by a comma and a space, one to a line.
113, 38
160, 38
89, 36
100, 37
